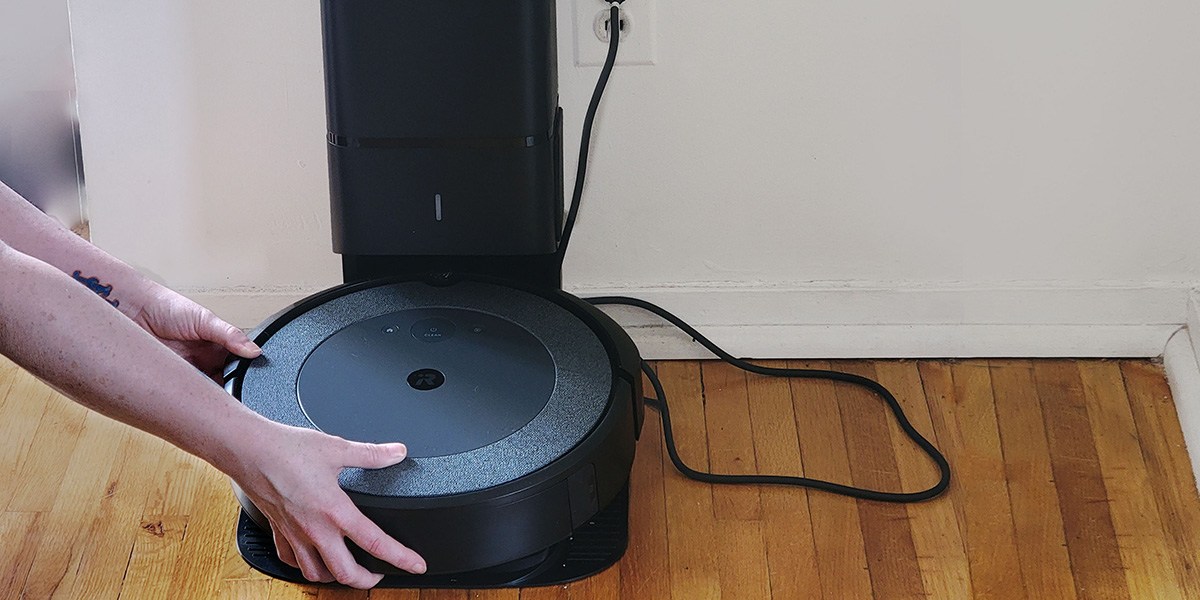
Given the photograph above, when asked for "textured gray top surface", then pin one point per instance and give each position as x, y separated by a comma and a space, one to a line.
579, 395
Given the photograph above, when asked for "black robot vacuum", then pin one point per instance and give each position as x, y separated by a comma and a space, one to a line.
520, 404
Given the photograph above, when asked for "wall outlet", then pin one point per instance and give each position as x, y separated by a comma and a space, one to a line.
639, 33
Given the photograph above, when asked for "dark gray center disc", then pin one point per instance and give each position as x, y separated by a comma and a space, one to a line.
441, 380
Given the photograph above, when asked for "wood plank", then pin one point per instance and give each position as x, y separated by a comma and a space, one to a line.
61, 547
40, 474
395, 594
786, 523
152, 561
1167, 466
690, 523
730, 440
1145, 554
243, 589
341, 593
20, 532
941, 551
552, 592
741, 553
937, 381
174, 493
841, 552
117, 521
887, 534
9, 372
283, 590
497, 594
1041, 541
209, 542
645, 568
962, 408
1083, 499
605, 585
743, 562
24, 402
443, 594
164, 523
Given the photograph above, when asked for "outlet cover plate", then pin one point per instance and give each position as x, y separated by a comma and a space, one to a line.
638, 45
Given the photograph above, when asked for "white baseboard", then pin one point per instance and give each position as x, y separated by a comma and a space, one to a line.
1193, 320
906, 321
908, 341
1183, 374
246, 308
879, 320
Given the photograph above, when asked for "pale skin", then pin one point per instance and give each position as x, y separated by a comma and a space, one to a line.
141, 363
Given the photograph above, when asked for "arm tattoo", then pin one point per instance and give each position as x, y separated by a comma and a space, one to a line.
93, 283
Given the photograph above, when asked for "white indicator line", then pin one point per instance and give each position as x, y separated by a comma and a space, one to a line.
437, 206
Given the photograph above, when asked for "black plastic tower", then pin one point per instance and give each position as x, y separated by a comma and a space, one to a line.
445, 138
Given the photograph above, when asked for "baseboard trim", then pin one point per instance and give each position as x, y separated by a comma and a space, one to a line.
1193, 321
858, 321
895, 320
908, 341
1183, 375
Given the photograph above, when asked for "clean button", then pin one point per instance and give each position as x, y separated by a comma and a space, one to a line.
433, 330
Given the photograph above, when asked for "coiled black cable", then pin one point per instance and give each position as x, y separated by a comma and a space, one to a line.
659, 403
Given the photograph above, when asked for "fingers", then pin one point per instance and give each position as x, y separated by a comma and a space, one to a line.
374, 456
311, 564
332, 562
343, 568
229, 337
328, 559
370, 537
316, 516
283, 548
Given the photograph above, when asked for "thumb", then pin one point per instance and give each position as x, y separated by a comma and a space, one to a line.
375, 456
229, 337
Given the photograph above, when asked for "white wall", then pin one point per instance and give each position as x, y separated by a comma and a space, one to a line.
803, 178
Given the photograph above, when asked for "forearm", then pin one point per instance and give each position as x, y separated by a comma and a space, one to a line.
31, 232
67, 336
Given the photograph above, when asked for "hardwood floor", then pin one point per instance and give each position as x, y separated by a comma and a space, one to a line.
1071, 481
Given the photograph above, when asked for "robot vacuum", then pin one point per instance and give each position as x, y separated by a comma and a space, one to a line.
519, 403
520, 409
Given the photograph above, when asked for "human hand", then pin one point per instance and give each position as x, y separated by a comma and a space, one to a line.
290, 475
192, 331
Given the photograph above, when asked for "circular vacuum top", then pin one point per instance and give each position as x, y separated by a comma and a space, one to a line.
483, 383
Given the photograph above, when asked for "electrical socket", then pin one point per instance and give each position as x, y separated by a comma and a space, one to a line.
638, 38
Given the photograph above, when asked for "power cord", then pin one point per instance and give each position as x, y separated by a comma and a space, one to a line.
614, 40
659, 402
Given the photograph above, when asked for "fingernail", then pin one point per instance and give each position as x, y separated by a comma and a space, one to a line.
401, 450
419, 568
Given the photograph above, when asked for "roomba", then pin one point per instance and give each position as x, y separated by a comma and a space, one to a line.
520, 409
